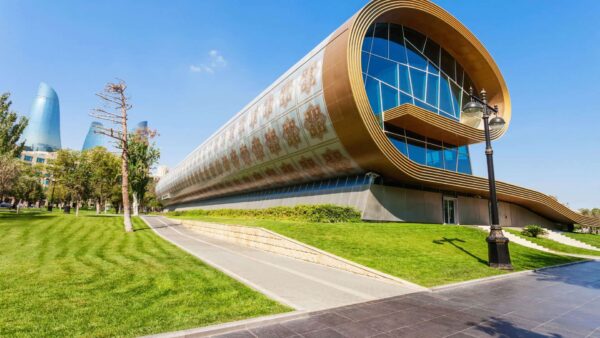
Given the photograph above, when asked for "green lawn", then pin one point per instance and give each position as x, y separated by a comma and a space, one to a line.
590, 239
554, 245
66, 276
426, 254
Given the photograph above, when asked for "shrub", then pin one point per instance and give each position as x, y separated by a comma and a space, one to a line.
533, 231
323, 213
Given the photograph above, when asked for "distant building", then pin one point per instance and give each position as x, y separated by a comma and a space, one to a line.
43, 131
93, 139
161, 171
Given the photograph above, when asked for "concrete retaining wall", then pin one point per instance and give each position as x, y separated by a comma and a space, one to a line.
266, 240
387, 203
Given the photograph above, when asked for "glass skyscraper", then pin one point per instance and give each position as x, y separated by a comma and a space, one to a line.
43, 131
93, 139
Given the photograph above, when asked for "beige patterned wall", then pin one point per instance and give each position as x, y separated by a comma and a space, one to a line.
284, 136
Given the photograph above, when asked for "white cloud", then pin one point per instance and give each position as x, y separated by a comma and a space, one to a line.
214, 62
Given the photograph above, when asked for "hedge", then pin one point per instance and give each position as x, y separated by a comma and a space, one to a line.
323, 213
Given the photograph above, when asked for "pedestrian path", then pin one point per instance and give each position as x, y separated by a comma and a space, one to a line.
560, 238
299, 284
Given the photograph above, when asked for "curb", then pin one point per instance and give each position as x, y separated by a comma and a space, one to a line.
503, 276
217, 329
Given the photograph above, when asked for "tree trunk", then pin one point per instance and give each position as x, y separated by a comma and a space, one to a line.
77, 209
125, 169
97, 207
135, 205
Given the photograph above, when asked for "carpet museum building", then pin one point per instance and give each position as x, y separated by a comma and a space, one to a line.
370, 118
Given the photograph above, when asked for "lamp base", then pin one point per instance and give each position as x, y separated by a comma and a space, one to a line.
498, 254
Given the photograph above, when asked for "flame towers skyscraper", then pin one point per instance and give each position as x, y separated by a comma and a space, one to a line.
43, 131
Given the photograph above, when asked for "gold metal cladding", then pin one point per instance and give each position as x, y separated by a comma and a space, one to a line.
360, 132
432, 125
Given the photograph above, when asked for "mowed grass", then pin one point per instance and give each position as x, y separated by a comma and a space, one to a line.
426, 254
554, 245
66, 276
590, 239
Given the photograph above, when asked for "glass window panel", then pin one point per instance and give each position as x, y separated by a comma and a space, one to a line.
380, 42
434, 156
432, 51
459, 74
397, 48
416, 38
384, 70
400, 144
445, 96
415, 58
456, 99
364, 62
425, 106
404, 98
368, 39
404, 79
464, 160
433, 69
417, 78
416, 151
389, 97
450, 159
372, 87
448, 64
414, 135
432, 89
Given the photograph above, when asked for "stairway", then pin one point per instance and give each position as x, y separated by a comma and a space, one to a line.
560, 238
518, 240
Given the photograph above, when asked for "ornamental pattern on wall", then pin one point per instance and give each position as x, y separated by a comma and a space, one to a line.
283, 136
315, 120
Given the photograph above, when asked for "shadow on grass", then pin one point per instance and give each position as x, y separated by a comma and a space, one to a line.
25, 215
111, 215
452, 241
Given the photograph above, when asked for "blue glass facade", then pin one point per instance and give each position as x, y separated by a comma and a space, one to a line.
43, 131
401, 65
93, 139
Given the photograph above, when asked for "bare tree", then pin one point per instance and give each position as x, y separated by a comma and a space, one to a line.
115, 107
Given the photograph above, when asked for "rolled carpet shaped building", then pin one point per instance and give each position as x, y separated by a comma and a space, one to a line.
370, 118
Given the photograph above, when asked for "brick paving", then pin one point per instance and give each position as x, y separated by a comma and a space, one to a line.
559, 302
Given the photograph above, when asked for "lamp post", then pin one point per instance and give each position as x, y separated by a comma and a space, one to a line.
498, 254
51, 195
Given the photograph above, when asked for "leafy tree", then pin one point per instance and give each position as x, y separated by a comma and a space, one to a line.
28, 186
151, 201
10, 169
11, 128
143, 155
105, 174
72, 170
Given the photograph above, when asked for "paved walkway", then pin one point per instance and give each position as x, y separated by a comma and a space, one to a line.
559, 302
299, 284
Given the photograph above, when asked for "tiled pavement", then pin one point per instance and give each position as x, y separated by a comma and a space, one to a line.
559, 302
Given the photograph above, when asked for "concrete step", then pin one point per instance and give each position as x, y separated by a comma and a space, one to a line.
518, 240
560, 238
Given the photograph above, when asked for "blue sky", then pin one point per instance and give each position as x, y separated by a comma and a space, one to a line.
191, 65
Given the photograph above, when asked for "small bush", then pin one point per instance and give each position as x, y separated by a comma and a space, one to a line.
533, 231
323, 213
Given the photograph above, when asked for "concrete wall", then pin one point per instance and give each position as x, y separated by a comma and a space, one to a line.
386, 203
517, 216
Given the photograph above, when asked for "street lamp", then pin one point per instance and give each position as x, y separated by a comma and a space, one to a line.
477, 108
